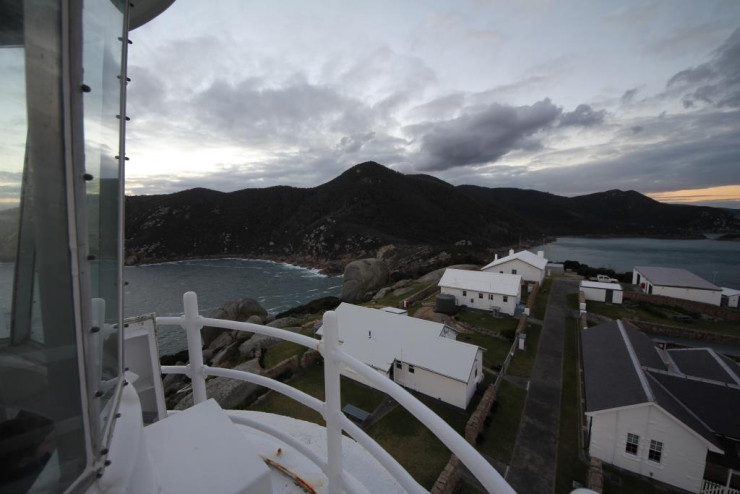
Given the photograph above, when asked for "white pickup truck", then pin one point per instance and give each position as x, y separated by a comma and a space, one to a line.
602, 278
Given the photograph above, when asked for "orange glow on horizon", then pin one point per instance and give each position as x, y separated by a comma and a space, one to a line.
689, 196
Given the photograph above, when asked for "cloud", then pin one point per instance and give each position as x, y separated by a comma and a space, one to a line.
629, 96
584, 116
483, 136
716, 82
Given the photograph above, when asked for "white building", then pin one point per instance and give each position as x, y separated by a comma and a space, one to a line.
730, 297
602, 292
531, 267
417, 354
483, 290
662, 414
676, 283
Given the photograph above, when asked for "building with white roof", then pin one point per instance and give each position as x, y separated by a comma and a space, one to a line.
531, 267
730, 297
602, 292
676, 283
417, 354
483, 289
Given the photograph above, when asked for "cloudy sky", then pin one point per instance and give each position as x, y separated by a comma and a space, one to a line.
566, 97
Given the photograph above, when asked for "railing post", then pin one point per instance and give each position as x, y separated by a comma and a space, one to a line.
333, 403
192, 324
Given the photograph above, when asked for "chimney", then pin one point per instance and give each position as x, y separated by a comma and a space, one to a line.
495, 258
541, 253
511, 252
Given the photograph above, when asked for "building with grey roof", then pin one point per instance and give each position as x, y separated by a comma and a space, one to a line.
676, 283
671, 415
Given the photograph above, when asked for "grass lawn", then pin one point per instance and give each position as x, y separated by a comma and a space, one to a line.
479, 319
522, 362
569, 467
643, 311
285, 350
540, 305
500, 434
391, 300
621, 482
572, 301
496, 349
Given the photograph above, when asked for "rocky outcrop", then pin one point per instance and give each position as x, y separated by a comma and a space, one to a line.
362, 279
436, 275
243, 310
229, 393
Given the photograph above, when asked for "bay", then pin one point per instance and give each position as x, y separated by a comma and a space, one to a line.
713, 260
159, 288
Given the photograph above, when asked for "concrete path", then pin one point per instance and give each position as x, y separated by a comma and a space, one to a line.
533, 461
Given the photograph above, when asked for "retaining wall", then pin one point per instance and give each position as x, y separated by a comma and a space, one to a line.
715, 311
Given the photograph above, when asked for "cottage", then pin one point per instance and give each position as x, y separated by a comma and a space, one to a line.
670, 415
730, 297
483, 290
602, 292
676, 283
531, 267
417, 354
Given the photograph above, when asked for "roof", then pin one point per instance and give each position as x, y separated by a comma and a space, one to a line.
729, 292
622, 367
603, 286
379, 338
676, 277
482, 281
524, 256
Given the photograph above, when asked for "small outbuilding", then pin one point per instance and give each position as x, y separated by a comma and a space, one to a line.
531, 267
730, 297
483, 290
602, 292
676, 283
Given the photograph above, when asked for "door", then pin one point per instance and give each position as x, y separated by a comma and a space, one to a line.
609, 296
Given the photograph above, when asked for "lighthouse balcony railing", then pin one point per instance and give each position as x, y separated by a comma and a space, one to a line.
334, 361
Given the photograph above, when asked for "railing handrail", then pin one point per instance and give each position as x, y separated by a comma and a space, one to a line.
334, 357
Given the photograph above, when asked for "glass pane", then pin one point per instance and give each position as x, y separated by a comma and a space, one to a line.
42, 437
102, 29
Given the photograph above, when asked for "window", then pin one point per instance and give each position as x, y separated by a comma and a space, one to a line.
513, 271
480, 295
465, 293
506, 299
399, 365
411, 369
633, 441
656, 450
490, 296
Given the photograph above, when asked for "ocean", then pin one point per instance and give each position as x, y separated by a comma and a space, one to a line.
278, 287
713, 260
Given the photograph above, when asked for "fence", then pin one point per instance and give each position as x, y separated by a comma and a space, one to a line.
330, 409
709, 487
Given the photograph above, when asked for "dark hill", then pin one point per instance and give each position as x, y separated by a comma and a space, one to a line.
370, 205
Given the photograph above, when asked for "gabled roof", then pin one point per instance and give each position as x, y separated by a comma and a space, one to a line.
675, 277
622, 367
729, 292
379, 338
524, 256
482, 281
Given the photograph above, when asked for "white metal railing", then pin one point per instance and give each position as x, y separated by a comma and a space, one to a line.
334, 360
709, 487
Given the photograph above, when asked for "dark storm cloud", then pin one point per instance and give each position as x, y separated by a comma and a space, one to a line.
483, 136
583, 116
716, 82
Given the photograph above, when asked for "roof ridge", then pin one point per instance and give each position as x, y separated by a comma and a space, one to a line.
689, 377
724, 365
636, 362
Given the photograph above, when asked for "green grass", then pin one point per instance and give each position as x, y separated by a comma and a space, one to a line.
647, 312
572, 301
391, 300
284, 350
630, 483
569, 466
540, 305
522, 362
500, 434
496, 349
478, 319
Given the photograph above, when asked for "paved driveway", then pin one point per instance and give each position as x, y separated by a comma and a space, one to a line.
533, 462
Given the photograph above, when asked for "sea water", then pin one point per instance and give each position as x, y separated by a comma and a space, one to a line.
278, 287
714, 260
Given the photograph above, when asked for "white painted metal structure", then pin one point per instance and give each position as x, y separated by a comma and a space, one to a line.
602, 292
531, 267
676, 283
483, 290
417, 354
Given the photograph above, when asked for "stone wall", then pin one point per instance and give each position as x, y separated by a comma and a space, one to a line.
477, 420
449, 478
522, 324
726, 313
595, 476
533, 296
